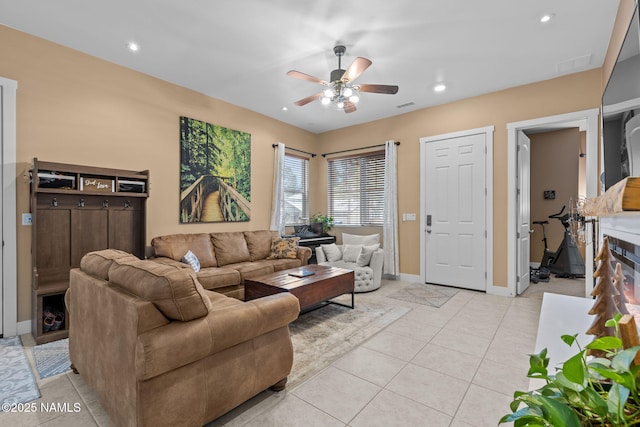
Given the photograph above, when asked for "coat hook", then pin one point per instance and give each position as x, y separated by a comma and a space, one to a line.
127, 204
54, 202
105, 204
81, 203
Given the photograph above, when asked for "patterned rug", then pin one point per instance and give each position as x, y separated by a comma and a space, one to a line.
17, 384
52, 358
322, 336
420, 293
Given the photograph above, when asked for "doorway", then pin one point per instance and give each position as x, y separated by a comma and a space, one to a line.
586, 121
457, 209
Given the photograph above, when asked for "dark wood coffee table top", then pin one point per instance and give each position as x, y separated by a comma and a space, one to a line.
326, 283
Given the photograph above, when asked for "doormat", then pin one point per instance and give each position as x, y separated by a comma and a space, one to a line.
425, 294
17, 384
52, 358
322, 336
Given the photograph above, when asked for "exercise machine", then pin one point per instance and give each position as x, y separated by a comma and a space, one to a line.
566, 261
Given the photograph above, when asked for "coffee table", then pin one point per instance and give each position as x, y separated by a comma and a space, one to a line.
313, 291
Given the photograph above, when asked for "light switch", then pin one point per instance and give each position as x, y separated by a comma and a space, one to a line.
26, 219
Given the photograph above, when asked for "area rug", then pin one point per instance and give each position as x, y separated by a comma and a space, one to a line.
421, 293
322, 336
17, 384
52, 358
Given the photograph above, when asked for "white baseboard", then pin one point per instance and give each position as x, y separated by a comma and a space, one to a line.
24, 327
502, 291
410, 277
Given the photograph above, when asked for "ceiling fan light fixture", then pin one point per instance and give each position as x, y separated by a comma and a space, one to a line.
339, 92
440, 87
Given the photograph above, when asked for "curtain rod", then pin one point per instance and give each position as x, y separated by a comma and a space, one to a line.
356, 149
295, 149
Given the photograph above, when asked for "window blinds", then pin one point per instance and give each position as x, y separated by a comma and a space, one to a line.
296, 189
356, 189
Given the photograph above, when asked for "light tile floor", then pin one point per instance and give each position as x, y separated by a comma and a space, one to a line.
457, 365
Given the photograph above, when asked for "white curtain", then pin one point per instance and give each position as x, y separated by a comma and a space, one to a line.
277, 207
390, 228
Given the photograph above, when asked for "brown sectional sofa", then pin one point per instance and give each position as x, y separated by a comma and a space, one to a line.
160, 350
226, 259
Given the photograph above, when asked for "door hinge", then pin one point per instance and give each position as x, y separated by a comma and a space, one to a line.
518, 235
485, 234
517, 191
485, 275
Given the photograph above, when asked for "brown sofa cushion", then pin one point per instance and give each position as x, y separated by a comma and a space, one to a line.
98, 263
174, 246
259, 243
176, 293
230, 247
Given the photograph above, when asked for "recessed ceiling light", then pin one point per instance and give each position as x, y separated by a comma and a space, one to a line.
133, 46
440, 87
285, 109
546, 18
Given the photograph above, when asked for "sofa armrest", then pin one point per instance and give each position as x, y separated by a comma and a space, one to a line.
169, 261
304, 254
376, 264
156, 350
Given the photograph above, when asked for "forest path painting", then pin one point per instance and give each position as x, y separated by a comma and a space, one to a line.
215, 173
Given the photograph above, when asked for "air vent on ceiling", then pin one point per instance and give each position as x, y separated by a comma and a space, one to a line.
573, 64
408, 104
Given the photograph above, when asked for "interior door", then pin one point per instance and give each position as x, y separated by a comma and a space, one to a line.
456, 212
524, 212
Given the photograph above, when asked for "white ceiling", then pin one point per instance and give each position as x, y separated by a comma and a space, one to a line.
240, 50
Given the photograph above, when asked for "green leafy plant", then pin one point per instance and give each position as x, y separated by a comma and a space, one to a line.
585, 391
326, 221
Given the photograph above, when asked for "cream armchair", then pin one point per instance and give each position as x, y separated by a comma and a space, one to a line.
362, 254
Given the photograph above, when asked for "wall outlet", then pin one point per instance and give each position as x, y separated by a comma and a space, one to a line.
26, 219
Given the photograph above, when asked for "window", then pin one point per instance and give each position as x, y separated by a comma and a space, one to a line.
296, 189
356, 189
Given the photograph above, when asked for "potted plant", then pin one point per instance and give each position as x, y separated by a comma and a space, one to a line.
320, 223
585, 391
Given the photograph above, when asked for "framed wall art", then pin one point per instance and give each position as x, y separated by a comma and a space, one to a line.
215, 173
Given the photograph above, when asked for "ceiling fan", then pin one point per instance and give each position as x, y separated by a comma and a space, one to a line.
339, 91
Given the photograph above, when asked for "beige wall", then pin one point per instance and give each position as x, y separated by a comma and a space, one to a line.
623, 18
554, 166
562, 95
74, 108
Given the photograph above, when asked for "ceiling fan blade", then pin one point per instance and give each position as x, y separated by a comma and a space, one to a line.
307, 77
356, 68
388, 89
308, 99
349, 107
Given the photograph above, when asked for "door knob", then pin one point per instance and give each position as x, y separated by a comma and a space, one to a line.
531, 231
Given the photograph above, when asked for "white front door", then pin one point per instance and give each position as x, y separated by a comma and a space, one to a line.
524, 212
455, 209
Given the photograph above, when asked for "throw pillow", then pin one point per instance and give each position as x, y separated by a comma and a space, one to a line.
284, 248
191, 259
332, 252
364, 257
353, 239
350, 252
